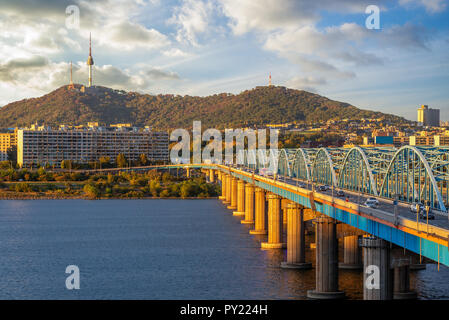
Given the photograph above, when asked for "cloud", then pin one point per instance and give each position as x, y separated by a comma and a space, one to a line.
306, 83
192, 18
129, 36
431, 6
11, 69
175, 52
158, 74
269, 15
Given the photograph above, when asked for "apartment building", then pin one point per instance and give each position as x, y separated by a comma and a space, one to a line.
8, 143
82, 145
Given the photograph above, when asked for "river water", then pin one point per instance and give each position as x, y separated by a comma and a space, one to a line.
153, 249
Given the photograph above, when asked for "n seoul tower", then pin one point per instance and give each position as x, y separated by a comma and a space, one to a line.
90, 61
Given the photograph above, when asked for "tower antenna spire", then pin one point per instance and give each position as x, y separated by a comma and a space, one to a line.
90, 60
71, 85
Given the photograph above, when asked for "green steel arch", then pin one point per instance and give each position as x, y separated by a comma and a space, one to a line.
410, 178
323, 170
301, 165
283, 167
356, 173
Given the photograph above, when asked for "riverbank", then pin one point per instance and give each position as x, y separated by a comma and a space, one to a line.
76, 197
21, 184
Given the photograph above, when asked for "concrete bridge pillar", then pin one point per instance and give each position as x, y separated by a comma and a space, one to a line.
249, 204
352, 253
260, 226
285, 203
401, 290
296, 240
222, 179
233, 204
240, 199
211, 175
377, 274
274, 224
228, 189
326, 260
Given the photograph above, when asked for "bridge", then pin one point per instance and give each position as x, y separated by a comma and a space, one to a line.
393, 239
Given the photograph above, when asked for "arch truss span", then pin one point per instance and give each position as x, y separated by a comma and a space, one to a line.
410, 178
301, 165
323, 170
356, 173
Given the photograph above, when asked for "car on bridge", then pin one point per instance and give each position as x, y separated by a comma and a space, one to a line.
422, 210
340, 193
371, 203
322, 188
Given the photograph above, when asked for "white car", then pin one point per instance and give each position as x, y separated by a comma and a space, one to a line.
372, 199
371, 203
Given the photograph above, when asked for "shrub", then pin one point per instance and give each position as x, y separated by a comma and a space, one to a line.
91, 191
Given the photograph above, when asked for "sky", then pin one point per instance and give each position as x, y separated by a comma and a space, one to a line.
203, 47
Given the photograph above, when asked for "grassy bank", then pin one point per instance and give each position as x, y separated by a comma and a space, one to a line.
40, 184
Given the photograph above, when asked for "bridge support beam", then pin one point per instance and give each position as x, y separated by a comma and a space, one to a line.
285, 203
222, 179
377, 275
352, 254
211, 175
296, 240
402, 284
240, 199
274, 224
326, 260
249, 204
417, 264
260, 226
228, 189
233, 204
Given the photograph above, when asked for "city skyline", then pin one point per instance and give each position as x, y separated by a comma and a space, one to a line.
206, 47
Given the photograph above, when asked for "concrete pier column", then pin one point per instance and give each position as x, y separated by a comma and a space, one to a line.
285, 203
240, 199
211, 175
260, 225
228, 189
401, 287
249, 204
233, 204
352, 253
222, 179
274, 224
377, 274
296, 240
326, 260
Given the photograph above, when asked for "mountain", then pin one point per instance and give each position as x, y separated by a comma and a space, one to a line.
262, 105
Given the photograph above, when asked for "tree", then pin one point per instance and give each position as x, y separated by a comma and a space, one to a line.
143, 159
121, 160
91, 191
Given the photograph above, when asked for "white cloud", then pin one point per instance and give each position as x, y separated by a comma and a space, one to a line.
269, 15
192, 18
432, 6
175, 52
